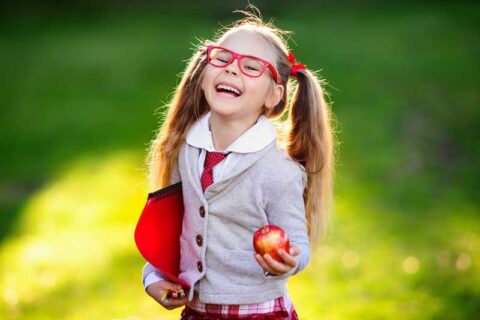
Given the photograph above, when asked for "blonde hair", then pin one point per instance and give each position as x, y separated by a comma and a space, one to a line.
305, 132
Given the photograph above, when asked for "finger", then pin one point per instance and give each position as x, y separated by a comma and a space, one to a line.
181, 294
172, 299
174, 303
164, 290
176, 295
170, 290
287, 259
295, 250
177, 302
262, 263
172, 286
276, 266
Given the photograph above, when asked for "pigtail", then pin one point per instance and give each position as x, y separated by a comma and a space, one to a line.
310, 142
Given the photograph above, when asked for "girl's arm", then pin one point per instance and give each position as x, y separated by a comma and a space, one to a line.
150, 275
288, 212
160, 289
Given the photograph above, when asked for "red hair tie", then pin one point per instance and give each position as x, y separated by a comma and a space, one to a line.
295, 65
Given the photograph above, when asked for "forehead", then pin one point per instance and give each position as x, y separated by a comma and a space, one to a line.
250, 43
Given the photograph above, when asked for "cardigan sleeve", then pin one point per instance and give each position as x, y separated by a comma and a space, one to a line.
150, 275
287, 210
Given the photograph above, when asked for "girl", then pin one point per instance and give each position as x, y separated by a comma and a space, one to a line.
219, 141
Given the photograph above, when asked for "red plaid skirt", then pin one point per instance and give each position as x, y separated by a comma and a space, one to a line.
190, 314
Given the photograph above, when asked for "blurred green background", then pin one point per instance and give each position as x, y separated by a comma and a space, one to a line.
80, 85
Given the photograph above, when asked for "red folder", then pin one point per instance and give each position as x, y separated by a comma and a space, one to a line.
157, 234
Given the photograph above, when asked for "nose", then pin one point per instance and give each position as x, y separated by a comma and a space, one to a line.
233, 67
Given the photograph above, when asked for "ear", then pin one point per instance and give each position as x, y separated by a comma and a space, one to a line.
274, 95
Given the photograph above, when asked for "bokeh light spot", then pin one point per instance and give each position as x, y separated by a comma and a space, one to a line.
350, 259
463, 261
410, 265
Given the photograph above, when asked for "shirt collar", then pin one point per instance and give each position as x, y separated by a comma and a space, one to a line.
257, 137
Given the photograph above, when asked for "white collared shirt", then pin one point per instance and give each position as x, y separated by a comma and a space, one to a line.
257, 137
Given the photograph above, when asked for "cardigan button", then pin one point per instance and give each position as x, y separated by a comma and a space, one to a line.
202, 211
200, 266
199, 240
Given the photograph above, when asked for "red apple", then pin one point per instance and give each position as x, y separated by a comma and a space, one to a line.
270, 238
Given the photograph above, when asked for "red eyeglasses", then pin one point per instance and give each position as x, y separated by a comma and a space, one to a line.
249, 65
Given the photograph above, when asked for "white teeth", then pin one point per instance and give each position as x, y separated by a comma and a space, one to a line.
224, 86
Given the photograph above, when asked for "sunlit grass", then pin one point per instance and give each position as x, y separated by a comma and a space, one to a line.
371, 269
73, 255
407, 235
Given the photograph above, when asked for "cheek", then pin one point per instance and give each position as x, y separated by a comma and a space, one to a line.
259, 89
207, 77
206, 81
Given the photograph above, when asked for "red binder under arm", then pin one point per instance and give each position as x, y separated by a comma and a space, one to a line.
157, 234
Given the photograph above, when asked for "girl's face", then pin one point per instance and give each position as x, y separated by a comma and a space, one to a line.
254, 92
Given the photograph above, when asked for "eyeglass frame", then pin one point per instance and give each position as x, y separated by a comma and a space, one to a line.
239, 57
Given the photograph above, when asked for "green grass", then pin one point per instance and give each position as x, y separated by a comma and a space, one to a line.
79, 91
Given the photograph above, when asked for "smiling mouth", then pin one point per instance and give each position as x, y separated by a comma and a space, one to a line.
229, 90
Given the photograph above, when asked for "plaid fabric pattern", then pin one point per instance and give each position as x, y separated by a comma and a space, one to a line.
277, 309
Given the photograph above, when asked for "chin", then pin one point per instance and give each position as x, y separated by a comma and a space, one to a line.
223, 112
224, 108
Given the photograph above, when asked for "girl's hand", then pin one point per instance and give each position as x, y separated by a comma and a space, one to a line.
158, 289
277, 268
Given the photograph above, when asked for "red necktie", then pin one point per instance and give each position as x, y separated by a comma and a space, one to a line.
211, 160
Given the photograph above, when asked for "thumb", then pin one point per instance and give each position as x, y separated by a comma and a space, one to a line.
294, 250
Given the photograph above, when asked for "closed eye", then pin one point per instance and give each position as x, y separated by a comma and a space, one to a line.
251, 68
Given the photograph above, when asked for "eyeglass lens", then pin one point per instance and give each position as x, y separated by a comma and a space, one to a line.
249, 65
